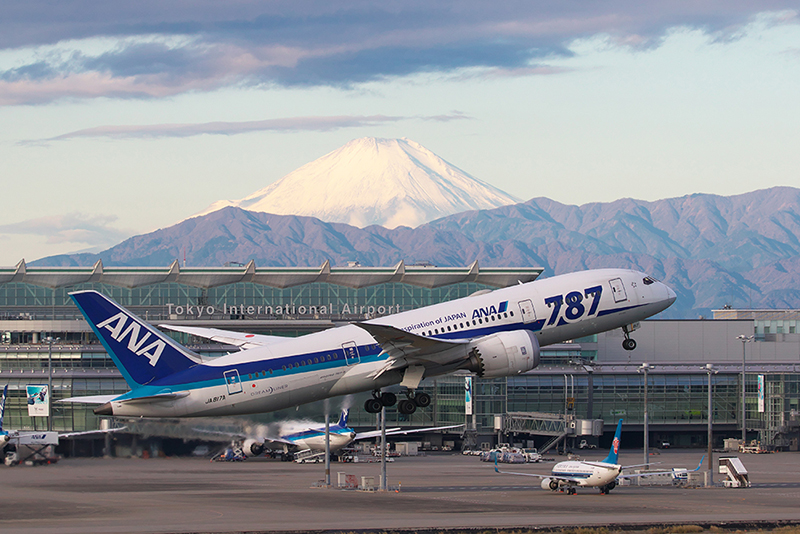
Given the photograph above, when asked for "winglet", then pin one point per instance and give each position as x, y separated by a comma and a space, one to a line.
700, 464
496, 470
613, 455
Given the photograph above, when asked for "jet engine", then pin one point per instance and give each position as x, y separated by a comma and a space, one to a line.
252, 447
549, 484
504, 354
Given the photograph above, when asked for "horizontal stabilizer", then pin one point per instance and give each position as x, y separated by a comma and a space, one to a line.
238, 339
92, 399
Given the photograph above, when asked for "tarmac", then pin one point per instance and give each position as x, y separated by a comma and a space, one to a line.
178, 495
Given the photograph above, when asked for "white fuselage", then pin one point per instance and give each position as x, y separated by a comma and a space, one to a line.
344, 360
587, 475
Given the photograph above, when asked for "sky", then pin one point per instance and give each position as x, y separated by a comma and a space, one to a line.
119, 118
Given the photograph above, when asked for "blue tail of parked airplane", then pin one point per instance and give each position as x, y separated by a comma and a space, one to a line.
343, 418
142, 353
614, 453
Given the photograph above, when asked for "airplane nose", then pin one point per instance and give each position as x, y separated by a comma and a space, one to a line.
671, 296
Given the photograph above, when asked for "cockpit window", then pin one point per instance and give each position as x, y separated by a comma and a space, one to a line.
649, 280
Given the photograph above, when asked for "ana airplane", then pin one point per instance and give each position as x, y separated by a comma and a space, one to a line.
491, 334
572, 474
297, 437
34, 437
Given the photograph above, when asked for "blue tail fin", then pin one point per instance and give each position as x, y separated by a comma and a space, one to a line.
3, 406
343, 418
142, 353
612, 456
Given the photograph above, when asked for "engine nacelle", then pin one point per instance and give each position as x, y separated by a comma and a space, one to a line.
504, 354
550, 484
252, 447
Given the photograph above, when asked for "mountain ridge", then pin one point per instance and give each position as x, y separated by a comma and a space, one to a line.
713, 250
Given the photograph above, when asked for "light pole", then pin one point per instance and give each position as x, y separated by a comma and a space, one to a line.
744, 339
644, 368
50, 382
709, 369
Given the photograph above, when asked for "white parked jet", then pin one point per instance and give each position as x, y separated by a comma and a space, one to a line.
566, 476
297, 437
37, 437
492, 335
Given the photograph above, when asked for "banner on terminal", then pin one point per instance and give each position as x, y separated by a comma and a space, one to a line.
468, 395
38, 400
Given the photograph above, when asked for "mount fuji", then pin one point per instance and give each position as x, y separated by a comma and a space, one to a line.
372, 181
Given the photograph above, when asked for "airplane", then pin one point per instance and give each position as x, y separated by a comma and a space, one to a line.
569, 475
39, 437
313, 437
492, 334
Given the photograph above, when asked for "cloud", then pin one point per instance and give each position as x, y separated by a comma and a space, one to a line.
289, 124
76, 228
152, 49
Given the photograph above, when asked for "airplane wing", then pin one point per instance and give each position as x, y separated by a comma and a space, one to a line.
571, 480
69, 435
652, 473
405, 349
226, 436
238, 339
400, 431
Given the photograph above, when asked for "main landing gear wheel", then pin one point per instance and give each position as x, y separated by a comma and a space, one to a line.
372, 405
422, 400
388, 399
379, 400
406, 406
628, 344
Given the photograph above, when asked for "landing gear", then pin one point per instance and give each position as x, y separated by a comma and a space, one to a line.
379, 400
406, 407
628, 343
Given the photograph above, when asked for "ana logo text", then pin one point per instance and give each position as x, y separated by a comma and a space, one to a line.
116, 325
490, 310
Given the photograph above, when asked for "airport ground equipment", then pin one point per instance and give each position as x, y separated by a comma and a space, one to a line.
733, 468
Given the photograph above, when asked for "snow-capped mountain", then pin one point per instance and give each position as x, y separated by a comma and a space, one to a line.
388, 182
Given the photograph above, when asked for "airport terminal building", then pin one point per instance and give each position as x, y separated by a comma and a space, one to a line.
585, 380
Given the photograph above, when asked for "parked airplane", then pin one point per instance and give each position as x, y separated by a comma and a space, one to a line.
491, 334
37, 437
296, 437
569, 475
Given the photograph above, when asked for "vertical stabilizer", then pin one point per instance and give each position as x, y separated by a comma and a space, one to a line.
343, 418
142, 353
613, 455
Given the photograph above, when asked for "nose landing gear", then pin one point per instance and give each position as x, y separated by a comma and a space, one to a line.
628, 343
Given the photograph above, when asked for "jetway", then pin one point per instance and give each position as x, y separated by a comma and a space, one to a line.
557, 425
734, 469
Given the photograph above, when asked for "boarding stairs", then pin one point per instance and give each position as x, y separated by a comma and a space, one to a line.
734, 469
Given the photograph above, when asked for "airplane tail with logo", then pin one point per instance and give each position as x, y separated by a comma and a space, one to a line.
142, 353
3, 406
613, 455
343, 418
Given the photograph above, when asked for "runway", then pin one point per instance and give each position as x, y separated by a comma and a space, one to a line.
194, 495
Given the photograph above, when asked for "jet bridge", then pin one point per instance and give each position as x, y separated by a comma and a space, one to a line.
557, 425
